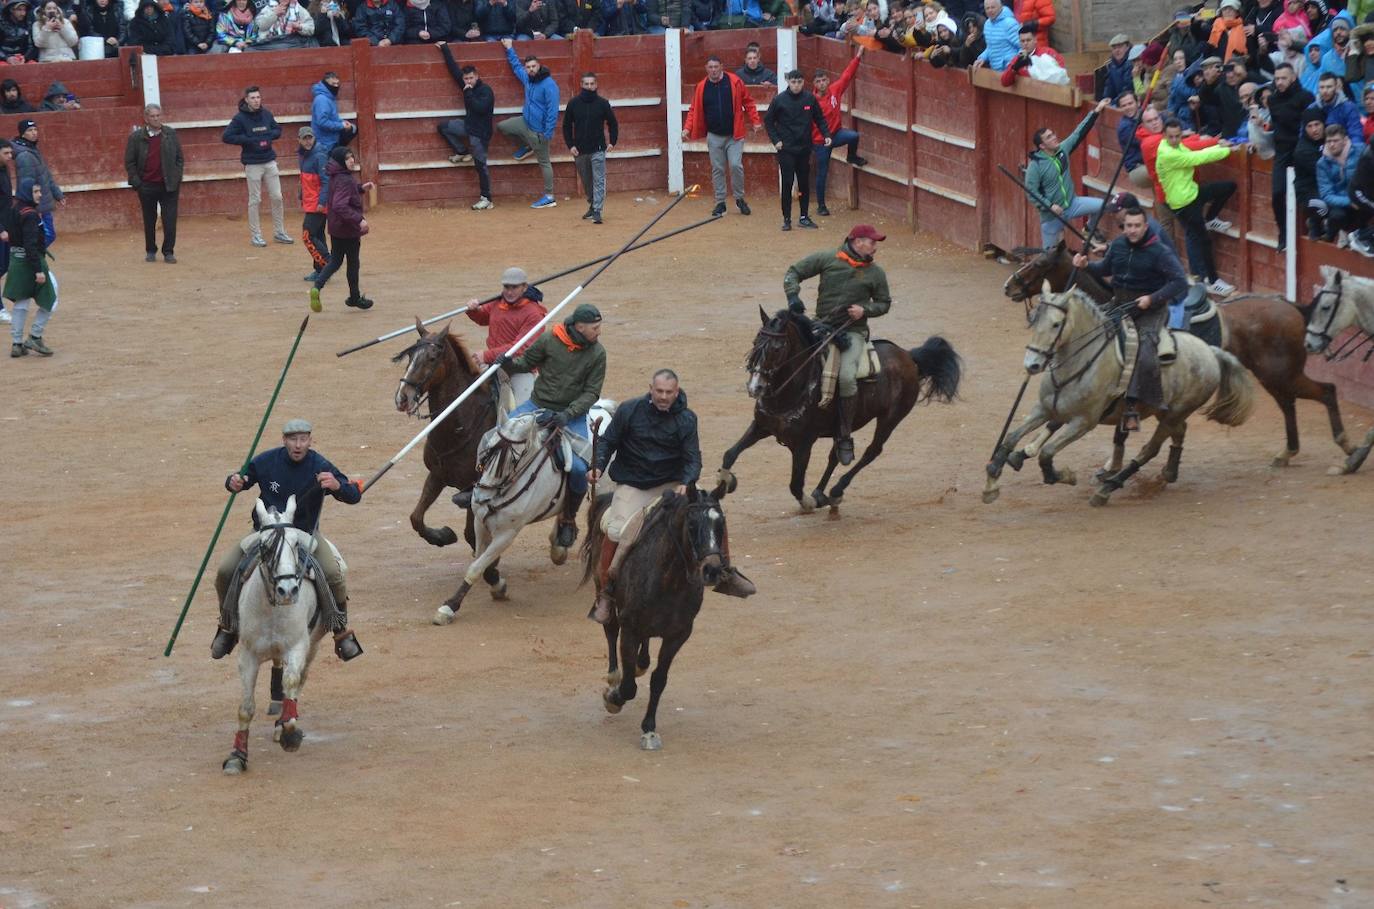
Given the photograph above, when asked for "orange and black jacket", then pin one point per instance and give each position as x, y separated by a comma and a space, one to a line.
314, 184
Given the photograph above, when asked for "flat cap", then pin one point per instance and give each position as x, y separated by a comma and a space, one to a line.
1119, 39
295, 425
514, 275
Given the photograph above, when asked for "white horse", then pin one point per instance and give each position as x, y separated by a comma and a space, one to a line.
521, 483
276, 607
1073, 342
1344, 300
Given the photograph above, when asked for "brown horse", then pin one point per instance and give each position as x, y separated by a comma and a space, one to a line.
1266, 333
438, 369
785, 378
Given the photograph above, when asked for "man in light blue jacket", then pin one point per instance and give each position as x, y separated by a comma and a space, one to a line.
533, 129
1002, 32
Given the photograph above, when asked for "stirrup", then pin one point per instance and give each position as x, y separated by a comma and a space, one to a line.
844, 448
346, 646
566, 534
1130, 420
223, 644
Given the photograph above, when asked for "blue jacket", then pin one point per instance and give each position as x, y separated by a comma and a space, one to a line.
541, 97
1002, 36
1125, 137
254, 132
385, 20
324, 117
1118, 79
279, 478
1333, 181
1345, 113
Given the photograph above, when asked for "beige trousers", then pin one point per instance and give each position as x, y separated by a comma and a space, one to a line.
324, 554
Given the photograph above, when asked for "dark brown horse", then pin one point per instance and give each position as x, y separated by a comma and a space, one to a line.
438, 369
680, 551
785, 378
1266, 333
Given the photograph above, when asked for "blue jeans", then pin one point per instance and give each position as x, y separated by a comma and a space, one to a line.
577, 476
1052, 229
846, 137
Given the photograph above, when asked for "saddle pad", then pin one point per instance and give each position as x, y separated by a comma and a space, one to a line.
1127, 344
830, 370
1168, 347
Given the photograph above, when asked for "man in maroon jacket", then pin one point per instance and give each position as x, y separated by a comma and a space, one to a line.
154, 163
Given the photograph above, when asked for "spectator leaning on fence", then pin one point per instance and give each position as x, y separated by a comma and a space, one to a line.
720, 113
427, 22
533, 129
150, 29
16, 37
1198, 207
497, 18
253, 130
101, 19
197, 26
53, 34
1051, 183
154, 163
1335, 171
333, 27
1001, 33
828, 94
586, 124
1025, 57
330, 127
284, 25
469, 136
381, 22
236, 28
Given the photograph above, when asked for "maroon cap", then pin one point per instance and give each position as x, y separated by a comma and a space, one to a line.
866, 232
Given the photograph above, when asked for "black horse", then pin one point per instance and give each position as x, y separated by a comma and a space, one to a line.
785, 379
680, 551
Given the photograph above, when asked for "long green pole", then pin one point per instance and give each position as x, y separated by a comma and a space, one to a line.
185, 607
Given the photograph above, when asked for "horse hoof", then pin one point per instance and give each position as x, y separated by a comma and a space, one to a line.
990, 495
289, 737
611, 706
1100, 498
499, 592
640, 670
443, 615
1067, 477
1101, 474
235, 764
834, 513
650, 741
558, 555
442, 537
808, 504
274, 709
1169, 476
1339, 470
1278, 462
1016, 459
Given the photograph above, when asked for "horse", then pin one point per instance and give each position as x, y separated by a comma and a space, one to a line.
658, 591
1342, 301
785, 382
1073, 344
279, 621
1264, 332
522, 481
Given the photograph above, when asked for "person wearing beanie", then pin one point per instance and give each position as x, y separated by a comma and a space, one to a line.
572, 368
346, 226
507, 320
154, 163
29, 164
314, 199
1306, 156
28, 280
590, 130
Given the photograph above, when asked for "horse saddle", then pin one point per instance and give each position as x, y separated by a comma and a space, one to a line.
325, 607
1202, 317
869, 369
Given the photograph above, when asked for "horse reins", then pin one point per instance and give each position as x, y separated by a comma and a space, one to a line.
531, 469
1359, 339
273, 551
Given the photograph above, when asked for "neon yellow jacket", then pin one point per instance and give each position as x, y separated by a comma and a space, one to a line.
1175, 167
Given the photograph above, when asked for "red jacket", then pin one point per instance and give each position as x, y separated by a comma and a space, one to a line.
830, 101
507, 323
1149, 153
744, 109
1041, 12
1016, 65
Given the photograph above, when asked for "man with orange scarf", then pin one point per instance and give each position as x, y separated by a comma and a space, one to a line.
572, 367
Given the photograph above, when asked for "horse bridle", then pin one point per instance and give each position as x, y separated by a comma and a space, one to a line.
271, 553
810, 354
693, 562
1325, 334
496, 457
1049, 354
422, 386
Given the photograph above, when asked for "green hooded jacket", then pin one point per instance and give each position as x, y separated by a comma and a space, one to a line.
1048, 177
845, 280
569, 380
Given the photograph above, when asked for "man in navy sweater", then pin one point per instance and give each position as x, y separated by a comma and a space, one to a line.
254, 129
292, 470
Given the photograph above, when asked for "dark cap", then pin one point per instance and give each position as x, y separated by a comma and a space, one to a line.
25, 124
586, 313
1123, 201
865, 232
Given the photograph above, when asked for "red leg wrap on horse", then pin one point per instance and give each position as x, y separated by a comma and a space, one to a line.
241, 741
288, 710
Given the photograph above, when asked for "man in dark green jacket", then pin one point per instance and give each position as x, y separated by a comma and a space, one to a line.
154, 163
852, 289
572, 368
1051, 184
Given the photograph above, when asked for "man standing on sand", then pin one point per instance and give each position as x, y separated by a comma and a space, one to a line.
586, 122
721, 107
154, 164
254, 129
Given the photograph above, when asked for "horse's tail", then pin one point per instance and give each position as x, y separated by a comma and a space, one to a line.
940, 369
1236, 396
591, 544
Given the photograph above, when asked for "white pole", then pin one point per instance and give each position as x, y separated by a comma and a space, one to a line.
1291, 232
787, 55
672, 93
152, 90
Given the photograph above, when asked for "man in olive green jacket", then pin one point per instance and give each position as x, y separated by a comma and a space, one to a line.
572, 368
852, 290
154, 164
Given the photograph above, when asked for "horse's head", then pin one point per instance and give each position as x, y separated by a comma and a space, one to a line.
1036, 268
283, 551
429, 361
703, 535
1332, 311
781, 339
1051, 326
503, 451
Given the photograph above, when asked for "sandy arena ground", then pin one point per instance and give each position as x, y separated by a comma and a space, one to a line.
932, 702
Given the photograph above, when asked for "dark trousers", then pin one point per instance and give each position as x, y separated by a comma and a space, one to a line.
455, 133
150, 196
344, 248
1278, 193
1147, 385
1345, 219
312, 232
842, 138
1211, 198
795, 165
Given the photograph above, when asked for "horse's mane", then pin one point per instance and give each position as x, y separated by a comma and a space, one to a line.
805, 327
459, 348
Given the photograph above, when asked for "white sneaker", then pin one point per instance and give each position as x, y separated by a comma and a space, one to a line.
5, 316
482, 204
1221, 288
1218, 225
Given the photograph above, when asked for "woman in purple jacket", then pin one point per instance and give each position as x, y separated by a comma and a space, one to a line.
346, 226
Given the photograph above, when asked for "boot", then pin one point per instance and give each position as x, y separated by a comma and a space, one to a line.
463, 499
567, 521
223, 644
844, 421
35, 344
732, 583
346, 645
601, 610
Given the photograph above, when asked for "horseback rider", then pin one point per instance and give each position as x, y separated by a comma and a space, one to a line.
294, 469
654, 442
572, 367
1146, 277
519, 309
852, 290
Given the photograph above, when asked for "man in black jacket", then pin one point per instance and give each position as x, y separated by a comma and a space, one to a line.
470, 135
254, 129
789, 120
585, 124
1286, 104
1146, 272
